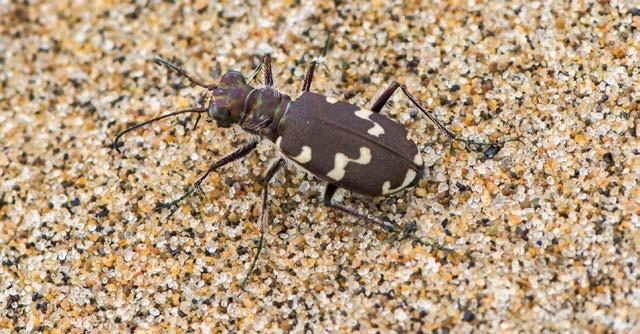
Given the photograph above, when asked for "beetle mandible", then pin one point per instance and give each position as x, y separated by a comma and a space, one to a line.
349, 147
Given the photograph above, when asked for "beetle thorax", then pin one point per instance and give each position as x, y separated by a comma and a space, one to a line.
264, 109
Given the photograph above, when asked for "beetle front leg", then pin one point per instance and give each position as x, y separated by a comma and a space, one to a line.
263, 214
268, 75
235, 155
203, 97
327, 199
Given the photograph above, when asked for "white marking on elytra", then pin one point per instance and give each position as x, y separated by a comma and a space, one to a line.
341, 161
386, 186
376, 130
304, 156
278, 141
331, 100
418, 159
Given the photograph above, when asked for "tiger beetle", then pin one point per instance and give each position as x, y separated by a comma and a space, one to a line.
346, 146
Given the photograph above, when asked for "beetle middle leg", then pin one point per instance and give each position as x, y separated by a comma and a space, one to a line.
306, 86
330, 190
388, 92
235, 155
263, 214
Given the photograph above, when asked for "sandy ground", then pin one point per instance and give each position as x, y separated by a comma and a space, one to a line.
544, 236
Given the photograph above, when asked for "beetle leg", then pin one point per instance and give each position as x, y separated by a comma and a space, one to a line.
309, 76
201, 104
386, 95
181, 72
468, 142
330, 190
408, 232
263, 214
268, 76
235, 155
306, 86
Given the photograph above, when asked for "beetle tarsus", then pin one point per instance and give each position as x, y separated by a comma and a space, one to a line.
253, 262
114, 146
175, 202
492, 148
425, 242
235, 155
388, 226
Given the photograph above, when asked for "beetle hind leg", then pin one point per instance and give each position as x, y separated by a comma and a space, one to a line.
388, 92
408, 232
330, 190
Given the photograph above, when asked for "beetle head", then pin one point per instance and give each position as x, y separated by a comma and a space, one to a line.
228, 98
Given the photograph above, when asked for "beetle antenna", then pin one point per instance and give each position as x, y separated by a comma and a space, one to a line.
181, 72
199, 110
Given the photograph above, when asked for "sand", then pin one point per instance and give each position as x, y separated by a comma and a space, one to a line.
544, 236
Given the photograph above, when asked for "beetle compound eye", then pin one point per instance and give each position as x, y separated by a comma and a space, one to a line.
222, 115
212, 110
218, 112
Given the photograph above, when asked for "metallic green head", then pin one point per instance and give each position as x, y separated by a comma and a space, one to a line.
228, 99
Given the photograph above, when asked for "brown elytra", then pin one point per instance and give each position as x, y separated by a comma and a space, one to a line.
350, 147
